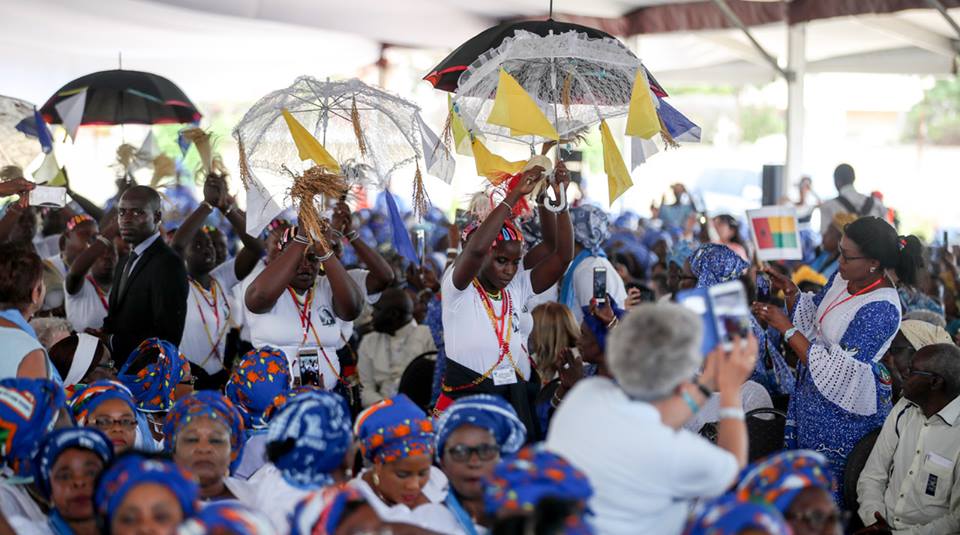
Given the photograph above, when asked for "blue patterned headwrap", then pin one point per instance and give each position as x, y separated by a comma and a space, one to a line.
321, 512
308, 438
227, 518
262, 375
713, 264
680, 252
729, 516
590, 227
779, 478
597, 327
28, 411
393, 429
486, 411
60, 440
86, 399
206, 404
153, 385
132, 470
518, 483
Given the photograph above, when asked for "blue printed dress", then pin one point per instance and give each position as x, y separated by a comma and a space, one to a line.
843, 392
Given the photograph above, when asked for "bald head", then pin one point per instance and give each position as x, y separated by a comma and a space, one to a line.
393, 310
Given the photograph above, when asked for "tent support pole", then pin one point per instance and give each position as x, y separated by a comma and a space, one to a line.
936, 4
734, 20
797, 66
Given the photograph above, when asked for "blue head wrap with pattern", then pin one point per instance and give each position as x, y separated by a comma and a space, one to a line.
591, 227
60, 440
713, 264
28, 411
486, 411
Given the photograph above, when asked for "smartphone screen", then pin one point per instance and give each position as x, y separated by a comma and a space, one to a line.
731, 312
600, 284
309, 367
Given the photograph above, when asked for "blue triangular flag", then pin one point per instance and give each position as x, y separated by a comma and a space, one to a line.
680, 128
401, 238
38, 130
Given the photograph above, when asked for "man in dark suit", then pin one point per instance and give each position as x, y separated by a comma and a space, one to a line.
149, 293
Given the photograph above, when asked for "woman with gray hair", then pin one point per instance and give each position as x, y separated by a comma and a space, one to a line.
647, 474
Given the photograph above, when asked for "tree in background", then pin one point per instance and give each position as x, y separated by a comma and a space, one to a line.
936, 118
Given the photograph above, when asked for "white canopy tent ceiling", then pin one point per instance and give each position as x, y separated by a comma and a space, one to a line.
46, 43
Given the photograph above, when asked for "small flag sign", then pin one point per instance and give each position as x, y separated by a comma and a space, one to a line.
775, 233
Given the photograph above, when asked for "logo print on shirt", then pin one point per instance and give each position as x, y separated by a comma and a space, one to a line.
326, 318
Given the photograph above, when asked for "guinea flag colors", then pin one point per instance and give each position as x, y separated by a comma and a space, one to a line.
775, 233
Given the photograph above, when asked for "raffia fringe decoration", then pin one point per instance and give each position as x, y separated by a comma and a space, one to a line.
446, 135
665, 135
421, 201
245, 176
126, 154
163, 167
565, 93
357, 129
315, 182
201, 140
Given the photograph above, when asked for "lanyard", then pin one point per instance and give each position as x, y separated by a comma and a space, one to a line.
305, 312
100, 293
835, 304
212, 302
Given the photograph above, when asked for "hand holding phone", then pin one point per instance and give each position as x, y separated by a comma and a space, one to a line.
600, 284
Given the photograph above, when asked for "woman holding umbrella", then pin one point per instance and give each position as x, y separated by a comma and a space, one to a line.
488, 287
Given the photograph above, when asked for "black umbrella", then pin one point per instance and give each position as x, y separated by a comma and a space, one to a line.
446, 75
125, 97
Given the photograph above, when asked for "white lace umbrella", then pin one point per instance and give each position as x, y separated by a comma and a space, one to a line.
372, 134
16, 148
575, 80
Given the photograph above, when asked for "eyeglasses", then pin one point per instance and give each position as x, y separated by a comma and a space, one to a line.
461, 453
105, 424
818, 519
846, 258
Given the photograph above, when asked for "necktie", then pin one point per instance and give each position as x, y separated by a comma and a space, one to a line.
126, 271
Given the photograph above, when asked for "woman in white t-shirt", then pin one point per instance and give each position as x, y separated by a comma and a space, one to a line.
301, 300
210, 305
482, 296
87, 283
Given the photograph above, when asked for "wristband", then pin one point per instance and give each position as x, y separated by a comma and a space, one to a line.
731, 413
351, 236
613, 323
228, 210
688, 399
788, 333
207, 204
326, 257
301, 240
102, 239
452, 251
508, 205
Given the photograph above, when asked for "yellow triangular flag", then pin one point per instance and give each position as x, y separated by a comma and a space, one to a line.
461, 138
49, 173
642, 120
515, 109
494, 167
308, 146
618, 178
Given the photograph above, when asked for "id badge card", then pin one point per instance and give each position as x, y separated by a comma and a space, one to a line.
504, 376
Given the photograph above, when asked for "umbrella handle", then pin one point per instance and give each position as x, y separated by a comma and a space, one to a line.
555, 206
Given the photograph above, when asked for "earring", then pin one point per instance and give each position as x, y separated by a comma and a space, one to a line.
376, 479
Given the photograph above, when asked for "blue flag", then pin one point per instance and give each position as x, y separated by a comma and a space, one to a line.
35, 127
401, 238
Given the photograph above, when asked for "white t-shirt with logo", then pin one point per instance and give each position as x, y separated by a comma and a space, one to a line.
86, 309
283, 329
208, 319
468, 333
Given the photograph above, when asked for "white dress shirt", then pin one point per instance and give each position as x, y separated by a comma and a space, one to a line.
382, 359
912, 477
645, 475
